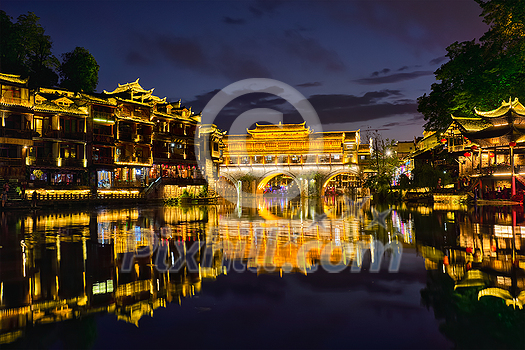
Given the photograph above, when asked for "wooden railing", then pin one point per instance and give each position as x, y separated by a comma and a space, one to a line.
4, 161
103, 138
15, 101
15, 133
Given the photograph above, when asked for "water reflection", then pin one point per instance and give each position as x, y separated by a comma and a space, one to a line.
63, 266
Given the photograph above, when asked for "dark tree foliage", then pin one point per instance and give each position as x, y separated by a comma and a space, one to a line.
79, 71
25, 49
480, 74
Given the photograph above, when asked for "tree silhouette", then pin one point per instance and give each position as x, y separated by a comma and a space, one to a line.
480, 74
79, 71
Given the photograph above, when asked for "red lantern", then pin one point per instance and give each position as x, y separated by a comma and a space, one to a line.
445, 260
474, 147
467, 154
491, 155
512, 144
443, 140
469, 250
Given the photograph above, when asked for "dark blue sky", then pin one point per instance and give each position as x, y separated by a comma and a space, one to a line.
361, 63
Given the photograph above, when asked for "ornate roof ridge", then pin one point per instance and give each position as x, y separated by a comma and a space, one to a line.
280, 126
515, 105
14, 78
466, 118
134, 86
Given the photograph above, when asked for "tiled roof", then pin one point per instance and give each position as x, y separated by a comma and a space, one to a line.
134, 86
279, 127
13, 78
471, 124
110, 101
505, 107
51, 107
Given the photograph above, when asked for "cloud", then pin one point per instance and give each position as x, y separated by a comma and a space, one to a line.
383, 71
236, 66
229, 20
311, 51
264, 7
351, 108
182, 51
331, 108
313, 84
402, 68
190, 53
393, 78
137, 58
438, 60
421, 24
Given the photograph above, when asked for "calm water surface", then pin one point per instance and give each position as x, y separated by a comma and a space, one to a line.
263, 277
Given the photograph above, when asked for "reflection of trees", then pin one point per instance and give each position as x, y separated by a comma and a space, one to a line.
469, 323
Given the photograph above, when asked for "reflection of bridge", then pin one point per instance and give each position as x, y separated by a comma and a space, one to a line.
310, 159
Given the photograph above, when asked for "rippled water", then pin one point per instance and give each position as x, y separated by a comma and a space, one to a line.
279, 274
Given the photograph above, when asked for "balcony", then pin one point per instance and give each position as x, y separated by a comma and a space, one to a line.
43, 161
16, 133
133, 160
71, 162
103, 117
102, 160
123, 159
103, 138
15, 101
125, 136
142, 160
59, 134
80, 136
11, 162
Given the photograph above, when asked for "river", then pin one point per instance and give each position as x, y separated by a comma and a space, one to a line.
276, 273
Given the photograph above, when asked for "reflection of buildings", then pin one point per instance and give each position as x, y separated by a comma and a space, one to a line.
65, 266
281, 236
485, 250
68, 265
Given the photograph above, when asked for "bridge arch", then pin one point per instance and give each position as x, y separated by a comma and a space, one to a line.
265, 178
233, 182
327, 178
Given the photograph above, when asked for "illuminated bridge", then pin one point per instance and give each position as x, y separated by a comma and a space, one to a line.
279, 158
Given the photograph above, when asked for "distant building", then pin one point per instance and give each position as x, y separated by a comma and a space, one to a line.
16, 133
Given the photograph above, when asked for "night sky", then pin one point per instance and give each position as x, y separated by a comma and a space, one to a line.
362, 64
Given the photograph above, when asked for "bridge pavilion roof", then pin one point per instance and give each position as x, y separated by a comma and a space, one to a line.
497, 127
280, 130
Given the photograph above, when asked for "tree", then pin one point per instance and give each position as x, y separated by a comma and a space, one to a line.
480, 74
25, 49
79, 71
383, 162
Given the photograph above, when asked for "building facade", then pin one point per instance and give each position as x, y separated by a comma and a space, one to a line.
123, 139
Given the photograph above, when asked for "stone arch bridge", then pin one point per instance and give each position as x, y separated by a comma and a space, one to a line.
252, 178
